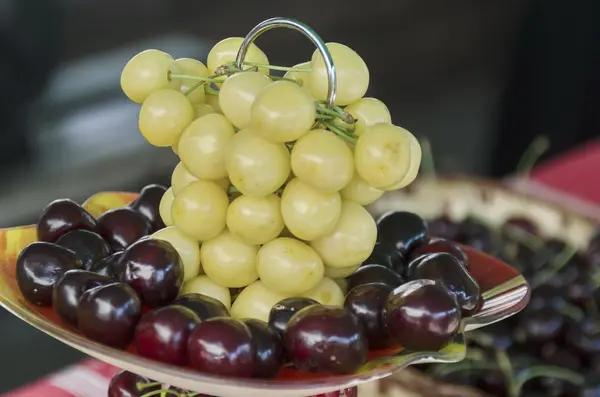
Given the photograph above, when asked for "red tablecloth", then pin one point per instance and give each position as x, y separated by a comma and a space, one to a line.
577, 172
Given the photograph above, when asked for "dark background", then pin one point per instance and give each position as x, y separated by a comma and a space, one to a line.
479, 79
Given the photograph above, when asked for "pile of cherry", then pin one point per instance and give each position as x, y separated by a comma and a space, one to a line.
553, 346
110, 280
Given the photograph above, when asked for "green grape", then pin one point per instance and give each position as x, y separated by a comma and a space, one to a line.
368, 111
237, 95
203, 109
289, 266
360, 191
202, 146
308, 212
229, 261
343, 284
340, 272
192, 67
382, 155
180, 178
302, 78
255, 301
352, 239
322, 160
256, 167
213, 100
164, 207
205, 286
163, 117
327, 292
415, 164
282, 112
148, 72
352, 75
187, 248
226, 50
199, 210
257, 220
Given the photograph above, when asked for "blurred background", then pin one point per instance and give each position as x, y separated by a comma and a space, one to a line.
479, 79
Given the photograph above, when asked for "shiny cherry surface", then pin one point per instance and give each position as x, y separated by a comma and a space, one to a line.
108, 314
69, 289
109, 266
60, 217
154, 269
325, 339
437, 245
125, 384
162, 334
475, 234
39, 266
282, 312
204, 306
425, 318
443, 227
387, 256
268, 349
148, 203
402, 230
449, 272
222, 346
89, 247
122, 227
366, 302
374, 274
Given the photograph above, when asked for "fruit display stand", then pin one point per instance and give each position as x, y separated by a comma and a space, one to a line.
119, 277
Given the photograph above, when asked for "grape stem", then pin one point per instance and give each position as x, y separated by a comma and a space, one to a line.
339, 131
198, 78
162, 393
507, 370
281, 68
141, 385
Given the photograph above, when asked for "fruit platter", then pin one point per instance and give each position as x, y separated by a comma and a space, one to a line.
283, 260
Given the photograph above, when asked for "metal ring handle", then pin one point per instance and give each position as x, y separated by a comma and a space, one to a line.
306, 31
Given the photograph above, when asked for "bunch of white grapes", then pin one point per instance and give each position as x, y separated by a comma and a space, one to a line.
268, 199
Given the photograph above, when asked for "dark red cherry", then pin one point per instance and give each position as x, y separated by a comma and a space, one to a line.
204, 306
154, 269
89, 247
388, 257
366, 302
268, 349
109, 266
592, 253
443, 227
108, 314
543, 325
148, 203
222, 346
554, 354
127, 384
519, 224
476, 235
374, 274
325, 339
122, 227
162, 334
69, 289
402, 230
449, 272
581, 289
282, 312
584, 337
60, 217
39, 266
437, 245
422, 315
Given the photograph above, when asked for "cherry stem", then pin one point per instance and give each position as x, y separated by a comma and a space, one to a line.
523, 236
338, 131
162, 393
427, 161
546, 371
557, 263
508, 372
532, 154
141, 385
281, 68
